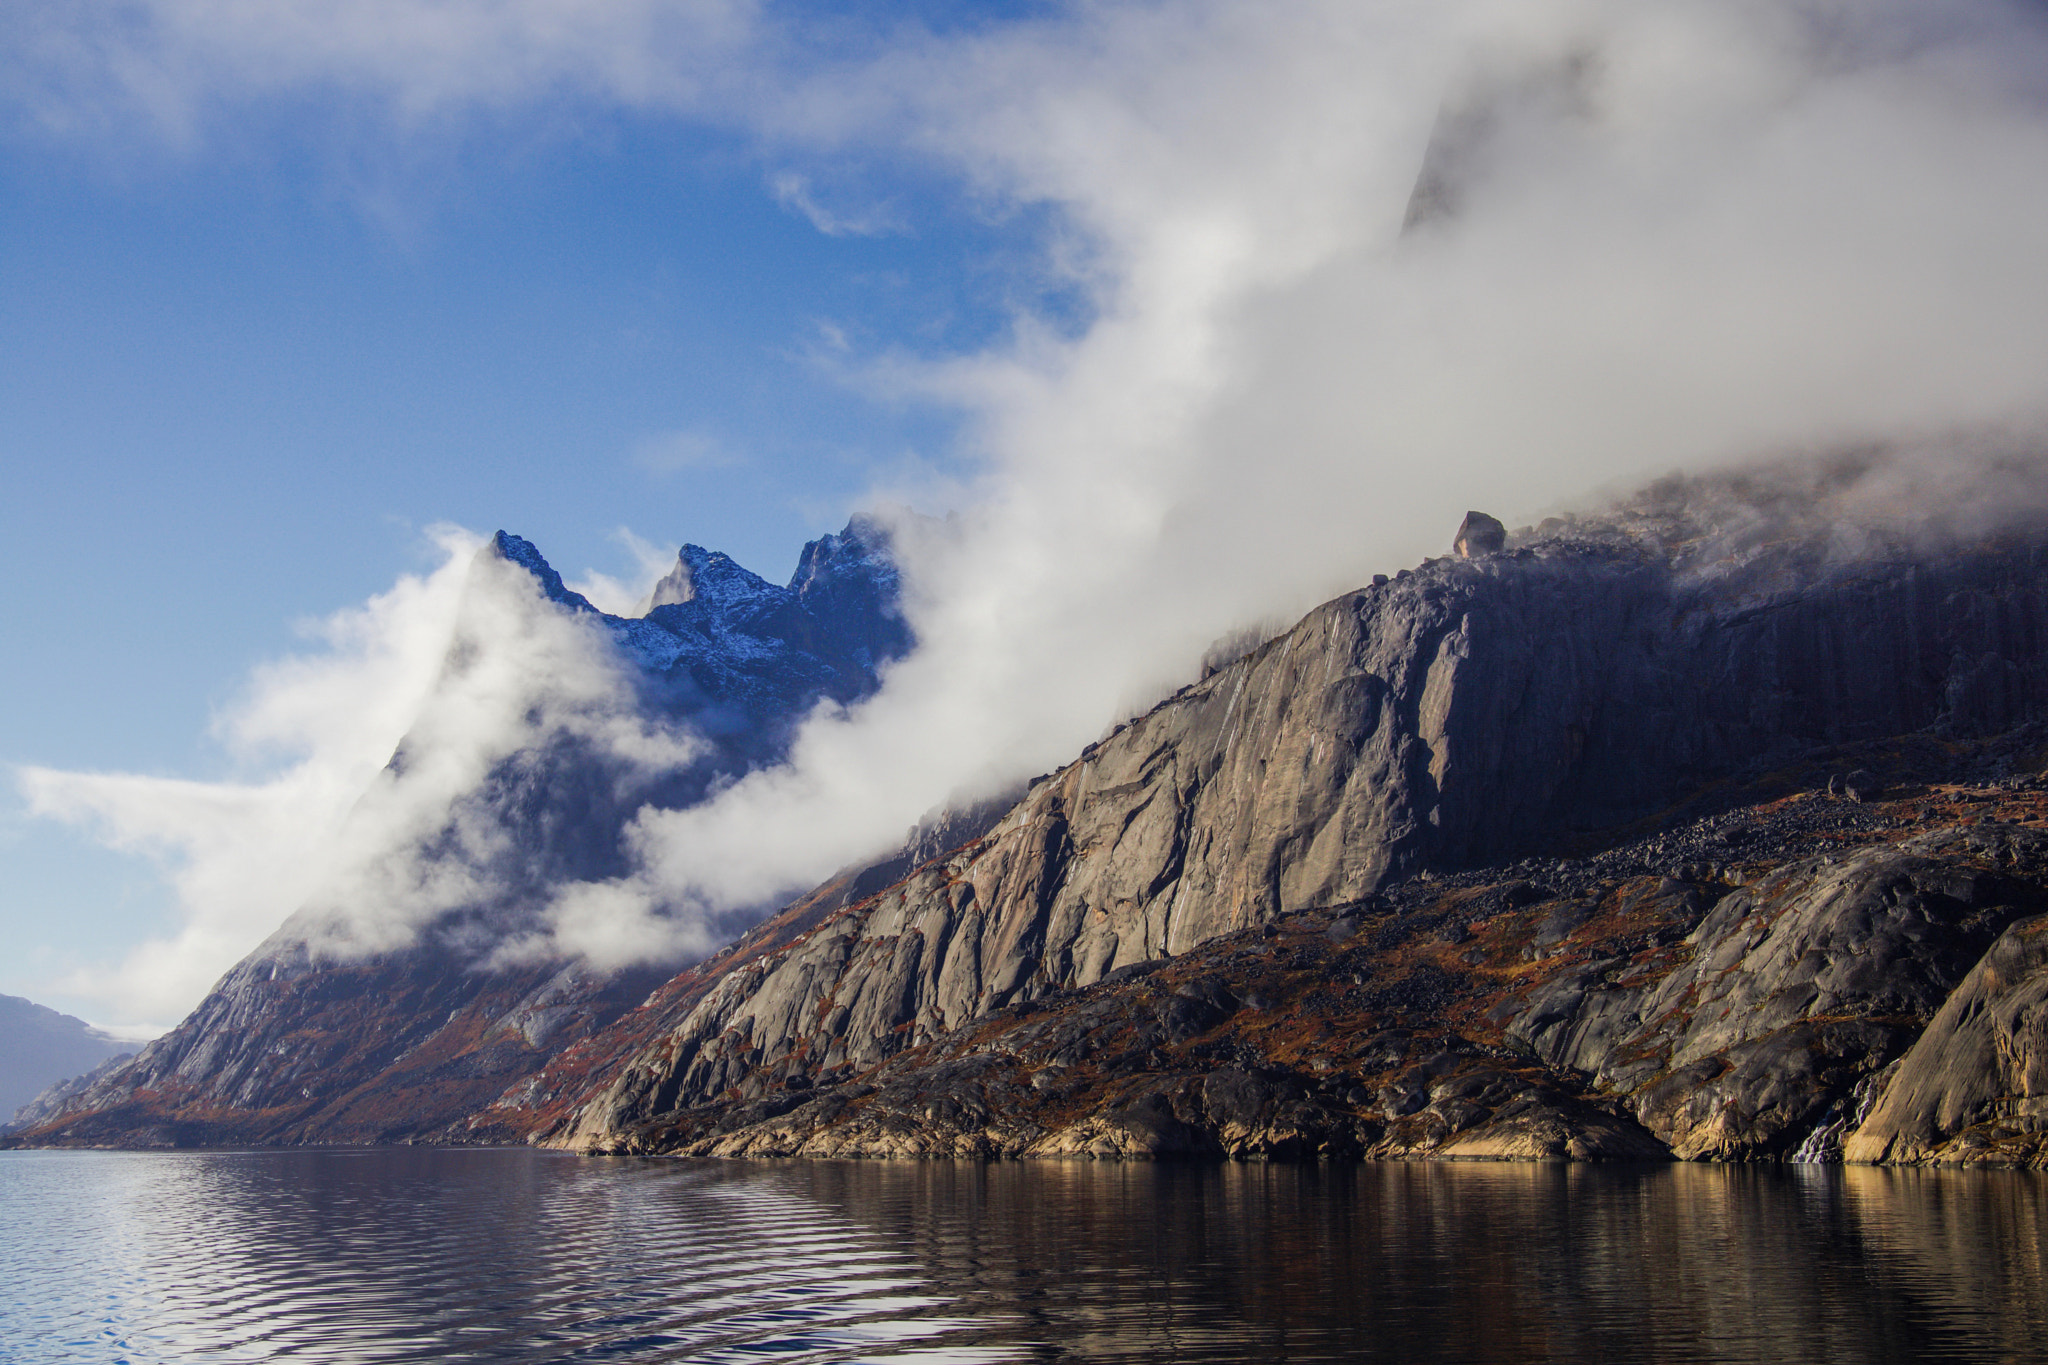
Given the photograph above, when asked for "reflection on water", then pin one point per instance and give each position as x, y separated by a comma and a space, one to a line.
413, 1255
1420, 1262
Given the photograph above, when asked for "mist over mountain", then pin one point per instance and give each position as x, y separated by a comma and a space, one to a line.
1704, 825
40, 1047
1326, 278
446, 954
1294, 908
1289, 293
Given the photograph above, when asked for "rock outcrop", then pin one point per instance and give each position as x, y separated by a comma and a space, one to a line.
1793, 993
1974, 1088
1479, 534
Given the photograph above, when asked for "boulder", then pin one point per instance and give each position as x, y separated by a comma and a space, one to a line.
1479, 534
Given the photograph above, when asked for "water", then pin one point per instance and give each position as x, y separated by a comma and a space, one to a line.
414, 1255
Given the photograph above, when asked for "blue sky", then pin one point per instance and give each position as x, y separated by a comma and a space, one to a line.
234, 389
284, 284
242, 378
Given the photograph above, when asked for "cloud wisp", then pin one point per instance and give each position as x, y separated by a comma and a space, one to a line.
677, 452
795, 193
370, 826
241, 855
627, 597
1649, 234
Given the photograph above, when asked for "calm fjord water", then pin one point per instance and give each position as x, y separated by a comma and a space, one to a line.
419, 1255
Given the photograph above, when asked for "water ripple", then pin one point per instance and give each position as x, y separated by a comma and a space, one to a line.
446, 1256
364, 1257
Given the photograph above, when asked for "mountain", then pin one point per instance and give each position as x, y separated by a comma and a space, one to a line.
40, 1048
1709, 826
1704, 828
387, 1007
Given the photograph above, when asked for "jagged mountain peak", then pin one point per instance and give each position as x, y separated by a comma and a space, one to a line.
712, 577
297, 1044
861, 550
744, 640
523, 552
854, 562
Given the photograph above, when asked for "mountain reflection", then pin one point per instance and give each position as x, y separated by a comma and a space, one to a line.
1431, 1261
419, 1255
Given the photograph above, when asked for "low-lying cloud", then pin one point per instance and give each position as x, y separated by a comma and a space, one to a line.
1651, 234
240, 855
365, 841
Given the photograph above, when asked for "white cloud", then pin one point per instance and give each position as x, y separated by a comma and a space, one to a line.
1674, 232
243, 855
793, 191
467, 666
179, 65
627, 597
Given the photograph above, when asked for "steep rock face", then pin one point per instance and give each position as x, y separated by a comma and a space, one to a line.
290, 1050
1794, 990
1974, 1089
53, 1099
1455, 1016
360, 1043
1471, 711
546, 1100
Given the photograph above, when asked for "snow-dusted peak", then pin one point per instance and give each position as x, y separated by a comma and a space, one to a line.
860, 551
521, 551
713, 578
734, 634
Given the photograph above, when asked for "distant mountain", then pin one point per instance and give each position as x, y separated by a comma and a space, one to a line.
312, 1038
40, 1047
51, 1102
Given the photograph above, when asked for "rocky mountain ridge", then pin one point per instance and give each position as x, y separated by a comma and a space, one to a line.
301, 1044
1756, 1007
1471, 713
1708, 827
